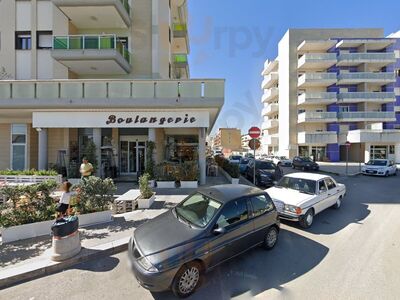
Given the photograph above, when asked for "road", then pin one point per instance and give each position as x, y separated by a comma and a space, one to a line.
351, 253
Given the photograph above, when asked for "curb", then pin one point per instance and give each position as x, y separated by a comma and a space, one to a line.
45, 266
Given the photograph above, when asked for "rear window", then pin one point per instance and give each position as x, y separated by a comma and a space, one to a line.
376, 163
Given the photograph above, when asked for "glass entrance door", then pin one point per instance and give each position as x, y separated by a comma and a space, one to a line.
132, 157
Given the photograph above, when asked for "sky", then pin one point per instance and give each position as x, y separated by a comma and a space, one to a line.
231, 39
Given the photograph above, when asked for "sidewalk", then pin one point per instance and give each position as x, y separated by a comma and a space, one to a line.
339, 168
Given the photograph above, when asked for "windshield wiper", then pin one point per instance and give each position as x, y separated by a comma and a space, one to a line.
304, 192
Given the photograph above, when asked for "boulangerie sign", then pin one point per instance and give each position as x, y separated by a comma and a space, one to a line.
138, 119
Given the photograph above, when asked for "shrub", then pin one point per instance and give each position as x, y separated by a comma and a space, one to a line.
231, 168
188, 171
145, 190
94, 194
30, 172
27, 203
166, 172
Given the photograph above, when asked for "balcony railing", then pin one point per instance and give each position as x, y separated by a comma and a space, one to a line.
367, 97
367, 115
366, 57
270, 94
322, 59
314, 116
271, 123
272, 140
91, 42
367, 76
317, 78
269, 80
319, 137
317, 98
270, 109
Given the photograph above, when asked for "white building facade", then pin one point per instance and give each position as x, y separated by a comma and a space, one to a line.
331, 86
114, 72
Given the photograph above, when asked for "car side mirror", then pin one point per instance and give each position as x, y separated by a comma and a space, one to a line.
219, 230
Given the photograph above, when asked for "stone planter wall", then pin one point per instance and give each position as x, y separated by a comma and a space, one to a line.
146, 203
166, 184
189, 184
29, 178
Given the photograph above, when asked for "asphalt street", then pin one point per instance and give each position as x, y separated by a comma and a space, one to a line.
350, 253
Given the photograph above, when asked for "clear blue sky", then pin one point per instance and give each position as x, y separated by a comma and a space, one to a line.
231, 39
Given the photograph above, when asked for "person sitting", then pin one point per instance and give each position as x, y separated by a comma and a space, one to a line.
63, 205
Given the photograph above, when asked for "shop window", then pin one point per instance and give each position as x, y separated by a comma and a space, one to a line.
44, 39
23, 40
18, 146
182, 148
391, 149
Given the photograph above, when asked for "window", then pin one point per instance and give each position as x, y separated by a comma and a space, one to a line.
261, 205
321, 186
23, 40
233, 213
344, 108
44, 39
18, 146
330, 184
391, 149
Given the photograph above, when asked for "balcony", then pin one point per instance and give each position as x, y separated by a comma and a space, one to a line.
370, 97
271, 123
316, 79
270, 94
270, 66
316, 98
270, 109
271, 140
92, 54
316, 45
270, 80
311, 61
180, 42
319, 137
181, 66
317, 117
94, 14
373, 136
381, 78
378, 60
363, 116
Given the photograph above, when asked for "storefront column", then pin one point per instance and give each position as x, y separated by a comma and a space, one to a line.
152, 138
42, 148
367, 152
97, 142
202, 155
397, 153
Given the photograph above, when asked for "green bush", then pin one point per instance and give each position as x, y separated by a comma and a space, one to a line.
27, 203
166, 172
30, 172
145, 190
94, 194
230, 168
149, 169
188, 171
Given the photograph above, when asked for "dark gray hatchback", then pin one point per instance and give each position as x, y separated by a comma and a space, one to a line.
175, 249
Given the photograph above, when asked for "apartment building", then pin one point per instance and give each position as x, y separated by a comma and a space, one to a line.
114, 72
228, 139
330, 86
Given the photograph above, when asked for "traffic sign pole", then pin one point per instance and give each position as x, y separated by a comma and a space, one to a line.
254, 133
254, 166
347, 157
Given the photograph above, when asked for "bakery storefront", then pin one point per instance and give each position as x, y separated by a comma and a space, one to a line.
120, 137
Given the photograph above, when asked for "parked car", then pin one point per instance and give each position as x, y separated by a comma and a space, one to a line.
243, 164
304, 163
379, 167
235, 159
300, 196
267, 173
175, 249
282, 161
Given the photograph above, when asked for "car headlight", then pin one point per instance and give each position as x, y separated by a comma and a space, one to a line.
292, 209
146, 264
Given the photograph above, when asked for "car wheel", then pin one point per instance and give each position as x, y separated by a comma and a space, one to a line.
293, 166
387, 174
270, 238
338, 203
187, 280
307, 219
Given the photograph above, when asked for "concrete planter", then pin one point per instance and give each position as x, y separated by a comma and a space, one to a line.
189, 184
26, 231
29, 178
166, 184
146, 203
228, 177
95, 218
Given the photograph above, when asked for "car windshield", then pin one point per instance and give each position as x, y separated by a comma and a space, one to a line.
302, 185
197, 210
235, 157
265, 165
244, 161
306, 159
376, 163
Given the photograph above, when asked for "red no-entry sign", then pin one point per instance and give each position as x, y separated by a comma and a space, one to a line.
254, 132
348, 144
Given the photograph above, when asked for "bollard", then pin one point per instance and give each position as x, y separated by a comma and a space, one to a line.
66, 240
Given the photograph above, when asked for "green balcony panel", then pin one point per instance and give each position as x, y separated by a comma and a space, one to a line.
60, 42
75, 42
181, 58
180, 27
91, 42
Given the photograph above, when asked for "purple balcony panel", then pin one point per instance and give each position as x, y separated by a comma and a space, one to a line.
333, 152
333, 127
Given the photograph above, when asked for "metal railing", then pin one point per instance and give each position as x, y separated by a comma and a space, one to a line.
318, 56
367, 75
366, 95
315, 115
317, 137
91, 42
367, 115
318, 76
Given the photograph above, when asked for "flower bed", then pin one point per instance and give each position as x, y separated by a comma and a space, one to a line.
229, 170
